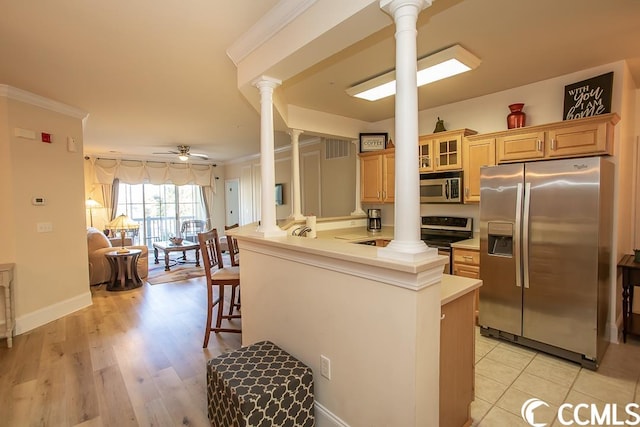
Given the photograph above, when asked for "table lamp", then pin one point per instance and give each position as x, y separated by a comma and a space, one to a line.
123, 223
91, 204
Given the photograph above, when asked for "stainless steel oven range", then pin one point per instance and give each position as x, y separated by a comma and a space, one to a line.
441, 231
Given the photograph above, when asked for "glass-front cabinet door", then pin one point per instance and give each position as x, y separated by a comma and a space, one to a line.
425, 155
441, 151
448, 153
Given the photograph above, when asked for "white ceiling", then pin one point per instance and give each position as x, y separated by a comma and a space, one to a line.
155, 74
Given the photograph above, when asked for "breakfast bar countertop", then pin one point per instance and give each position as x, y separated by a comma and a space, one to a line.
454, 287
356, 234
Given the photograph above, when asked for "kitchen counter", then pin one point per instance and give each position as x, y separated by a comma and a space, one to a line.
473, 243
356, 234
454, 287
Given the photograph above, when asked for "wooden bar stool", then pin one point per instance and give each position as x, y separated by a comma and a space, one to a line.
217, 276
234, 254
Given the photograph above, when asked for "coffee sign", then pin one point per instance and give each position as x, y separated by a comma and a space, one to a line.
588, 98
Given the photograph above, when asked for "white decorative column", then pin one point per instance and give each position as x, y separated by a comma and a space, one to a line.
268, 226
358, 205
296, 213
406, 244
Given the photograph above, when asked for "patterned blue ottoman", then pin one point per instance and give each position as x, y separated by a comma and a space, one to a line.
259, 385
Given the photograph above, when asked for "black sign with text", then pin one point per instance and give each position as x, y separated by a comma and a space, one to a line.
588, 98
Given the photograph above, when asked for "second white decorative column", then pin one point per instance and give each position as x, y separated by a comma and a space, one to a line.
268, 226
358, 203
296, 213
406, 244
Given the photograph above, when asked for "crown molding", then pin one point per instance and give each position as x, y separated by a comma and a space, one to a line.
270, 23
42, 102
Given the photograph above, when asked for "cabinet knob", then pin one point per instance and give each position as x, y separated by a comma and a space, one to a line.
553, 144
442, 316
466, 191
539, 145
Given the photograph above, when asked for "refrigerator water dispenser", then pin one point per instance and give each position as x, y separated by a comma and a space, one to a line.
500, 236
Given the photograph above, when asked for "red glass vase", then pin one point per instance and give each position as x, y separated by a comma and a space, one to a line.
517, 118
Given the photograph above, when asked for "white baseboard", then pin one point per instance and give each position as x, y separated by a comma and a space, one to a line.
53, 312
613, 330
326, 418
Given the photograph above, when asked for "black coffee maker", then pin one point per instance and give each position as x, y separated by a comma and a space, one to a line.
374, 220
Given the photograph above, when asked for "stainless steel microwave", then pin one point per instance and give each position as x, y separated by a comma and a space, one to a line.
445, 187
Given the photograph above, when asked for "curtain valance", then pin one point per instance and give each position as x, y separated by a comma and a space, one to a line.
140, 172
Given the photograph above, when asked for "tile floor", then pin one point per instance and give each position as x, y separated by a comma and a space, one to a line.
507, 375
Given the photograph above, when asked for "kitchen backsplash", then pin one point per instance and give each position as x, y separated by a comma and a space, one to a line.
470, 211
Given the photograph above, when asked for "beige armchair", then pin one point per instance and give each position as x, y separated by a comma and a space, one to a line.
99, 269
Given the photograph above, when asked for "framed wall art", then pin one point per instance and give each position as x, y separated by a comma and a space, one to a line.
588, 98
373, 141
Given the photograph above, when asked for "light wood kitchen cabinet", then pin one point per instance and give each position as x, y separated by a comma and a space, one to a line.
466, 263
476, 153
442, 151
377, 176
589, 136
457, 358
521, 146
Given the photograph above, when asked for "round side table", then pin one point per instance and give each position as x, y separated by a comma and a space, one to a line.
124, 271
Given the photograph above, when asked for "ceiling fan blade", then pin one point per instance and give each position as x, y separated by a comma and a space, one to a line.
165, 152
202, 156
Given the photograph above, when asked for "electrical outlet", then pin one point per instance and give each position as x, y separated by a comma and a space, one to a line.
44, 227
325, 367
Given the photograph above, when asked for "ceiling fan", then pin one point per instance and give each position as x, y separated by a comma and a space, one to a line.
184, 152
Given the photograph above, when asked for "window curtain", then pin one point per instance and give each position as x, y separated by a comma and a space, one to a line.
109, 172
110, 197
207, 196
140, 172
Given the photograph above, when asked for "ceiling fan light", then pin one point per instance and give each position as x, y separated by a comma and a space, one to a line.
183, 157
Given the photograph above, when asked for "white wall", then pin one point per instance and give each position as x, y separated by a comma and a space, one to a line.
52, 273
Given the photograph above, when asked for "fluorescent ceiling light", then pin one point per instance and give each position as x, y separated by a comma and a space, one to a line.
438, 66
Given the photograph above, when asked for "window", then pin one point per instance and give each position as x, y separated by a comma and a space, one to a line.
160, 209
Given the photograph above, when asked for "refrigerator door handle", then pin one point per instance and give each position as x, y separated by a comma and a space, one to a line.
525, 234
517, 234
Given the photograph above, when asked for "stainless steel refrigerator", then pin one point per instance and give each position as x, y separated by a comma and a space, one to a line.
545, 246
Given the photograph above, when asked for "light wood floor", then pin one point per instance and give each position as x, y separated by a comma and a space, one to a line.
132, 358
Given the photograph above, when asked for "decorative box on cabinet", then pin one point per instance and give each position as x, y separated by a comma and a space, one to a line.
590, 136
441, 151
377, 176
476, 153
